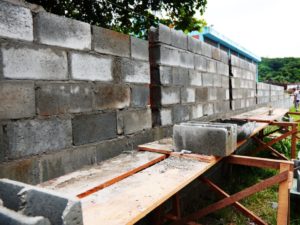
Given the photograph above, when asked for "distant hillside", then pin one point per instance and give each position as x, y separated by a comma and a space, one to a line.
282, 70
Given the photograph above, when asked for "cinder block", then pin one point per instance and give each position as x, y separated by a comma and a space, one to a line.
200, 63
139, 49
208, 109
180, 76
235, 82
206, 50
221, 94
207, 79
16, 22
221, 106
164, 55
225, 81
186, 60
165, 116
91, 67
222, 69
161, 34
29, 62
60, 31
194, 45
235, 60
178, 39
170, 95
140, 96
188, 95
31, 137
17, 99
224, 57
94, 128
237, 93
236, 104
217, 80
11, 217
110, 42
216, 53
111, 96
132, 121
202, 94
195, 78
180, 113
132, 71
197, 111
161, 75
61, 98
201, 138
211, 66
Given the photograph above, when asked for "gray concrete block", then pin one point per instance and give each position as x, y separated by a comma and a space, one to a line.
222, 69
224, 57
17, 99
195, 78
110, 42
170, 95
178, 39
90, 67
208, 109
94, 128
188, 95
31, 137
111, 96
139, 49
211, 66
16, 22
164, 75
202, 94
165, 116
197, 111
132, 121
237, 93
221, 106
194, 45
60, 31
180, 113
236, 104
29, 62
216, 53
162, 34
200, 63
207, 79
202, 139
180, 76
225, 81
217, 80
132, 71
235, 82
61, 98
186, 60
59, 209
10, 217
206, 50
221, 94
140, 96
235, 60
165, 55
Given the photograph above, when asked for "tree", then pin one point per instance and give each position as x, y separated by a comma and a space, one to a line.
130, 16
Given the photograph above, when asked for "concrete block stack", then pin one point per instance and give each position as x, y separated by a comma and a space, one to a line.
189, 77
263, 93
243, 83
65, 88
279, 98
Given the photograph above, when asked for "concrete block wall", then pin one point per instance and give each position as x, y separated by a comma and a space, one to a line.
263, 93
189, 78
71, 94
243, 82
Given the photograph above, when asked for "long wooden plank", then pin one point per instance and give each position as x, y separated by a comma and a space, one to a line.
104, 174
262, 114
129, 200
237, 205
235, 197
283, 198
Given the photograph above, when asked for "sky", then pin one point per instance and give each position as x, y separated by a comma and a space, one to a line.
268, 28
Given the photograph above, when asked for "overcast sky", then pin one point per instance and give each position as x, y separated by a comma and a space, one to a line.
268, 28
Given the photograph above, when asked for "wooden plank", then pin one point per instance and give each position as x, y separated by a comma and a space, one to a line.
235, 197
283, 198
256, 162
129, 200
262, 114
294, 141
103, 174
237, 205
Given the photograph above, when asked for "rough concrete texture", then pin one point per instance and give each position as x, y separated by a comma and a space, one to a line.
216, 53
91, 67
140, 96
186, 60
202, 139
111, 96
161, 34
222, 68
211, 66
17, 100
197, 111
208, 109
58, 208
207, 50
60, 31
132, 71
94, 128
200, 63
110, 42
139, 49
195, 78
10, 217
30, 62
180, 113
188, 95
131, 121
178, 39
31, 137
170, 95
180, 76
16, 22
60, 98
165, 55
165, 116
194, 45
162, 75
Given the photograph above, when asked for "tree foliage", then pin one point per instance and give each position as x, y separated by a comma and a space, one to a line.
130, 16
281, 70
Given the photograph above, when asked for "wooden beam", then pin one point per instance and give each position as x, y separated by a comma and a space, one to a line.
237, 205
256, 162
294, 141
283, 198
121, 177
235, 197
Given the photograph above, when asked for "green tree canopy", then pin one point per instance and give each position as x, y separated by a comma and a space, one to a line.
130, 16
281, 70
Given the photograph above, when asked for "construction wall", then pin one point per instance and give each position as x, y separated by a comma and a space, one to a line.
72, 94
